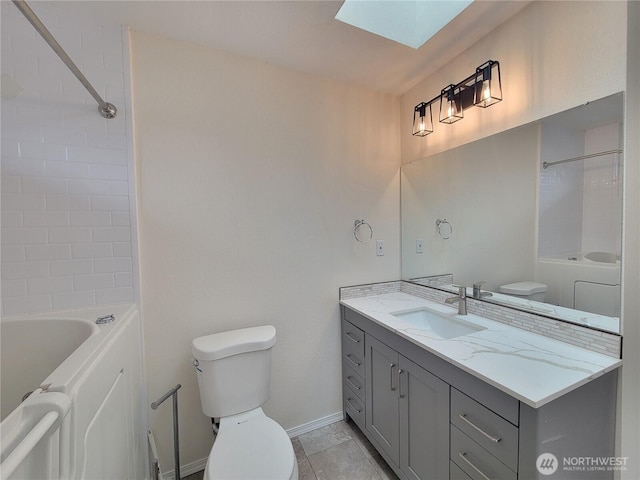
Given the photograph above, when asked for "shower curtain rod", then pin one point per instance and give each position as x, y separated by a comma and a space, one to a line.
583, 157
106, 109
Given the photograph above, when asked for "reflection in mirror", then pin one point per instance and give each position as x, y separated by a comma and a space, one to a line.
535, 214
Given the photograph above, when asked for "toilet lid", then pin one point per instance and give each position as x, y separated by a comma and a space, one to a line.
249, 448
524, 288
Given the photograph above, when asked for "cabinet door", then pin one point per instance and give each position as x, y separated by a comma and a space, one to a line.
424, 423
382, 396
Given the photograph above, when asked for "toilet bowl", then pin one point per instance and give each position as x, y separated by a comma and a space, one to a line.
527, 290
234, 372
251, 446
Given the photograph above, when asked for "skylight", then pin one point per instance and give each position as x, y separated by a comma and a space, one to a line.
410, 22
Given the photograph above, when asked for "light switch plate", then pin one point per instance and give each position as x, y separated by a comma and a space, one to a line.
380, 248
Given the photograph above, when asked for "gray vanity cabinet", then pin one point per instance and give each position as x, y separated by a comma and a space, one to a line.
431, 421
407, 412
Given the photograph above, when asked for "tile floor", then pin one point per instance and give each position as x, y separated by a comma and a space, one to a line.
336, 452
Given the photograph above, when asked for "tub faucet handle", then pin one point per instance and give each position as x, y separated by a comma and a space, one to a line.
106, 319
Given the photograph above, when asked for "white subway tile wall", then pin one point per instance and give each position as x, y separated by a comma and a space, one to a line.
66, 223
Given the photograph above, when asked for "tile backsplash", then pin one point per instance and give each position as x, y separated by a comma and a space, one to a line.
66, 217
597, 341
369, 289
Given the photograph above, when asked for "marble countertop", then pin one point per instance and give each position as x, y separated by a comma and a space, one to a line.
532, 368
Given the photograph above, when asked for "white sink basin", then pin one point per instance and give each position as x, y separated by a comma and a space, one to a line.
440, 324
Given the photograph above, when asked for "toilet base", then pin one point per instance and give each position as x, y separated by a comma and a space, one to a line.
251, 446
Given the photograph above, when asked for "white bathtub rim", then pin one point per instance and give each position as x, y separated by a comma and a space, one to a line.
580, 259
87, 313
63, 378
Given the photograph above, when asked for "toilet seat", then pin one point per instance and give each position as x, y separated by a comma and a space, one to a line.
251, 446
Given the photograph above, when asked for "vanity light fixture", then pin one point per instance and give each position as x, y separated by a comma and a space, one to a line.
422, 119
482, 89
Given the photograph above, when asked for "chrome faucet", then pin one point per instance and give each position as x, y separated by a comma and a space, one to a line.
461, 298
477, 291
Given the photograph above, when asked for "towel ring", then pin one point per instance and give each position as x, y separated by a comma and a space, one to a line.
357, 224
445, 230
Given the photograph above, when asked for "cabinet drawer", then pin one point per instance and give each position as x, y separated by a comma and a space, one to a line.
354, 406
353, 347
489, 430
475, 461
456, 473
354, 381
353, 336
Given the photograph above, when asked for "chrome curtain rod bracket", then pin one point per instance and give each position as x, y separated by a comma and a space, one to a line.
106, 109
582, 157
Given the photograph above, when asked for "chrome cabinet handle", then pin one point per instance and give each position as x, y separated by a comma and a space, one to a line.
463, 456
352, 361
359, 410
391, 367
352, 338
353, 384
463, 416
400, 372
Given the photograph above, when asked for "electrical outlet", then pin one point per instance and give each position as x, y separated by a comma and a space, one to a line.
380, 248
419, 245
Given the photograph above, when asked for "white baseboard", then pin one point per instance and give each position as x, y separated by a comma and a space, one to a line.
315, 424
199, 465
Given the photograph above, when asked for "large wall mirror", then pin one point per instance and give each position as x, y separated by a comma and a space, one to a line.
534, 213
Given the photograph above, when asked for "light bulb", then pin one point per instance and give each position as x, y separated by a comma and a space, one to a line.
451, 109
486, 90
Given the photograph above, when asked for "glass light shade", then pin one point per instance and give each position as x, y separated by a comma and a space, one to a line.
422, 120
450, 106
488, 86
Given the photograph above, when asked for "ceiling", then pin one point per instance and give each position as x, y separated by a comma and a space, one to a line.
301, 35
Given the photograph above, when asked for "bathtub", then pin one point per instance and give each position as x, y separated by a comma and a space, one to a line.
84, 415
585, 281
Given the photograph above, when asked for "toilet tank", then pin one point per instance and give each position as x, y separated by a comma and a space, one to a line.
234, 369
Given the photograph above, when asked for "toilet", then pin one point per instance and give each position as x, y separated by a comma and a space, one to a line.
527, 290
234, 376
